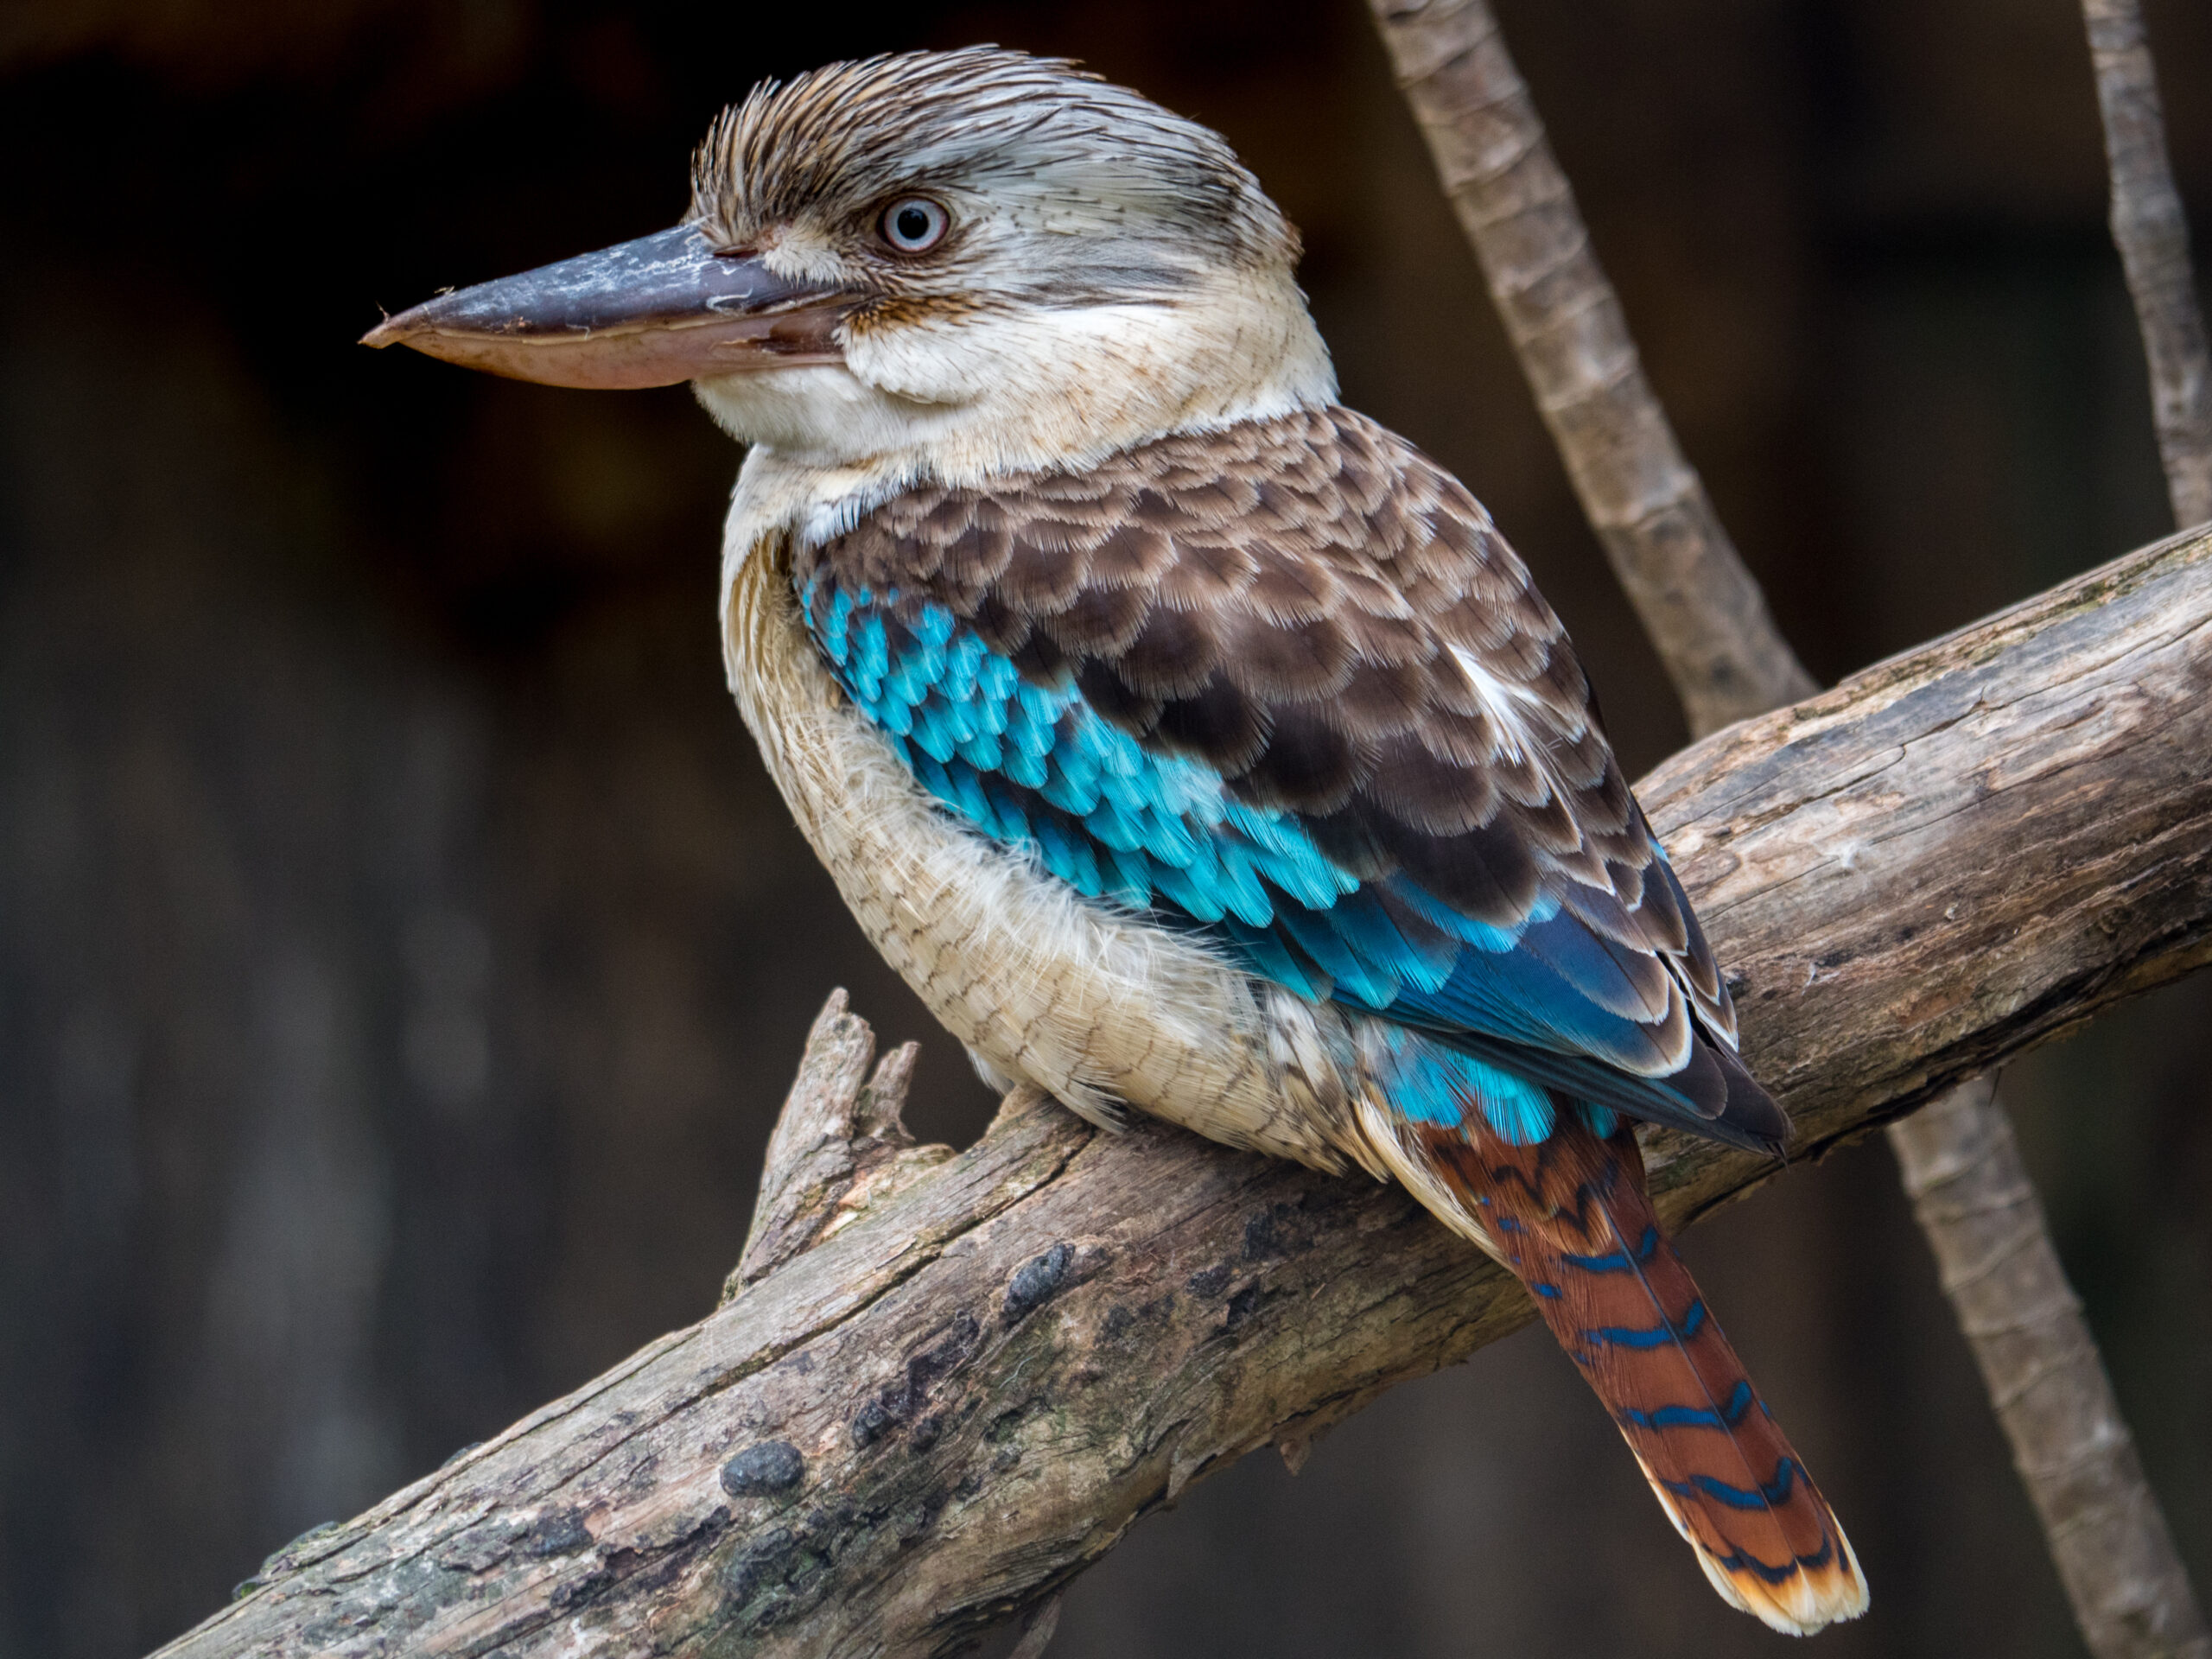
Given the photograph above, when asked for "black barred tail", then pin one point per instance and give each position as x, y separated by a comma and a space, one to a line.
1571, 1217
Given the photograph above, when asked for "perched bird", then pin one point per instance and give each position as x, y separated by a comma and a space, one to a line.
1187, 741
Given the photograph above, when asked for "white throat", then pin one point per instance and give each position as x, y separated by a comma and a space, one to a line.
960, 399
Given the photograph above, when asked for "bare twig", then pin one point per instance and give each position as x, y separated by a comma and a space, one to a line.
1483, 128
1701, 607
2152, 231
2071, 1444
2101, 1521
1038, 1630
930, 1422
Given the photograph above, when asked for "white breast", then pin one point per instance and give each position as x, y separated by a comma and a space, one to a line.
1099, 1007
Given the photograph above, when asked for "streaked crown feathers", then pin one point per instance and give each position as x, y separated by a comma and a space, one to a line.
983, 128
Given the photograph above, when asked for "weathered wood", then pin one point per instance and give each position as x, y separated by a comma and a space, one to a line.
2107, 1534
1703, 610
839, 1145
936, 1417
1709, 624
2070, 1441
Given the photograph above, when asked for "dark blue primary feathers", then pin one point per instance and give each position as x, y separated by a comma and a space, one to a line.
1285, 685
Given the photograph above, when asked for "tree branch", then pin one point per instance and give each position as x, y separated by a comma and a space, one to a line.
1701, 607
1488, 145
2106, 1533
936, 1416
2070, 1441
2152, 231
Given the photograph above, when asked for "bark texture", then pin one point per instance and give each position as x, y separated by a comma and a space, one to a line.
1701, 607
2108, 1536
2068, 1439
938, 1414
839, 1145
2152, 232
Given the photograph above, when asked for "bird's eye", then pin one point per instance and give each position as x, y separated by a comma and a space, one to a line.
915, 224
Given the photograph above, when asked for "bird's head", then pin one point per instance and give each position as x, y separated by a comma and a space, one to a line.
953, 263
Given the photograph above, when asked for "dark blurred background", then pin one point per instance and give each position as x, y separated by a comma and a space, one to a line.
402, 953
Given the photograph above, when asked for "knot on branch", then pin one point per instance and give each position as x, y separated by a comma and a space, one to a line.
839, 1148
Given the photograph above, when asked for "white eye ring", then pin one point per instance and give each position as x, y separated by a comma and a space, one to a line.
915, 224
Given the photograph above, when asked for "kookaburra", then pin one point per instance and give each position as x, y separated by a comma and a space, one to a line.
1188, 742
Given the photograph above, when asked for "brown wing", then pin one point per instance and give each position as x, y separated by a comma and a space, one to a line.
1322, 616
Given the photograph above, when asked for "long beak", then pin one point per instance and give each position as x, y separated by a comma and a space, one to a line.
662, 309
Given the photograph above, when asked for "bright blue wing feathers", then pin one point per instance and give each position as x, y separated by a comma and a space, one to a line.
1283, 684
1038, 767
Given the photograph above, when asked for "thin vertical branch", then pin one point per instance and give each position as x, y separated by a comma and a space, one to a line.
1710, 624
1702, 608
2069, 1442
2152, 233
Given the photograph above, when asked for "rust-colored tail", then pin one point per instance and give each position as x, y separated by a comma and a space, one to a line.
1571, 1217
